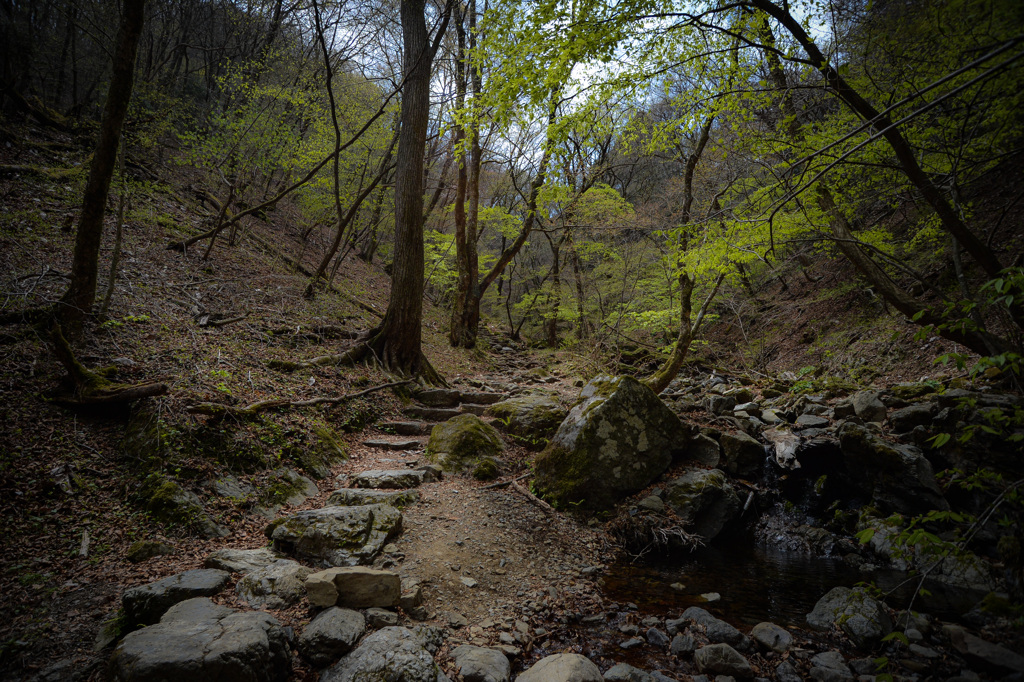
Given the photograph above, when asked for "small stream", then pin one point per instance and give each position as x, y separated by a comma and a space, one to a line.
755, 583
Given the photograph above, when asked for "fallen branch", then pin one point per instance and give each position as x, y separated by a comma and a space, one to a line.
220, 410
533, 498
206, 321
505, 484
317, 332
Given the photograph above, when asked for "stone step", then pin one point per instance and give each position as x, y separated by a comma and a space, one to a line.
382, 444
393, 479
478, 410
437, 414
482, 397
355, 497
438, 397
407, 428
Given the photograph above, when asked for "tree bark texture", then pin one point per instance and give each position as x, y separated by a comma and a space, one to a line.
78, 300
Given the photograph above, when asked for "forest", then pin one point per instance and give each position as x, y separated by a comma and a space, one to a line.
540, 323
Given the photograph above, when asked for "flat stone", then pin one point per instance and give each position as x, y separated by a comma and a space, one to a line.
811, 421
331, 635
979, 651
145, 605
195, 642
380, 618
388, 479
481, 664
468, 582
391, 653
438, 397
623, 672
336, 536
354, 587
241, 560
406, 428
562, 668
274, 586
434, 414
382, 444
356, 497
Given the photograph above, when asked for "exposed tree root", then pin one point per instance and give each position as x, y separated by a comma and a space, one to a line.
219, 410
643, 533
94, 388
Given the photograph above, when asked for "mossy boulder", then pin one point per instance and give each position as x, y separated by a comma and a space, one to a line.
704, 500
167, 502
531, 419
614, 442
464, 443
899, 478
336, 536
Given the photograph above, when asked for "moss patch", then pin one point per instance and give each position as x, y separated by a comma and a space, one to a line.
463, 442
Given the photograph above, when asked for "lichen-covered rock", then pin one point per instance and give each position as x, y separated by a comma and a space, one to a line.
864, 620
705, 501
197, 640
463, 443
562, 668
336, 536
531, 419
241, 560
274, 586
355, 497
144, 605
331, 635
618, 439
391, 653
167, 502
741, 454
289, 488
898, 477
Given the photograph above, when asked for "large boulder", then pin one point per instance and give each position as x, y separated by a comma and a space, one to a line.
704, 500
864, 620
144, 605
562, 668
391, 653
274, 586
336, 536
531, 418
198, 640
898, 477
354, 586
741, 454
331, 635
466, 443
615, 442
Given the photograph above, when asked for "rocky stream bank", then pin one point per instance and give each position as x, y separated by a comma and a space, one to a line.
430, 559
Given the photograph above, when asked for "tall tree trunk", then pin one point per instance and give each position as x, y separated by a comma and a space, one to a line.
77, 302
397, 341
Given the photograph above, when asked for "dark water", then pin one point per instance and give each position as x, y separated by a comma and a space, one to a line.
756, 583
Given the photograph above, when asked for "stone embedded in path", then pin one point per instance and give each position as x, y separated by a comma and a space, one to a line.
241, 560
562, 668
336, 536
434, 414
354, 497
354, 587
382, 444
771, 637
274, 586
406, 428
481, 664
391, 653
198, 640
144, 605
722, 659
466, 443
388, 479
614, 442
331, 635
481, 397
438, 397
864, 620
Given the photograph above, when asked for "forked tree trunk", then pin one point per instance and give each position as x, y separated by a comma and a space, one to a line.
77, 302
